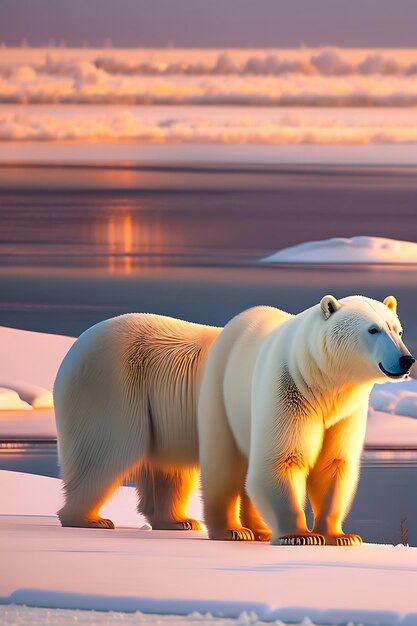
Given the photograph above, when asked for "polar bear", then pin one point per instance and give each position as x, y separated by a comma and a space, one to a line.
125, 401
282, 411
282, 406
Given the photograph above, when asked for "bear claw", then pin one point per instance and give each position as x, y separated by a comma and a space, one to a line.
186, 524
102, 523
191, 524
244, 534
349, 540
300, 540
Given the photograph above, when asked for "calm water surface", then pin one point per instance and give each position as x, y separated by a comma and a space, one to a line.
80, 244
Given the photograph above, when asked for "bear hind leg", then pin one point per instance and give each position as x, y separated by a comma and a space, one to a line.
222, 478
89, 481
163, 497
84, 500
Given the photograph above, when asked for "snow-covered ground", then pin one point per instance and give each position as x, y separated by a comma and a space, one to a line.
172, 573
28, 372
357, 250
129, 569
15, 614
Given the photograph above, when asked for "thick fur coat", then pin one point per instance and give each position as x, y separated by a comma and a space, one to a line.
269, 408
282, 412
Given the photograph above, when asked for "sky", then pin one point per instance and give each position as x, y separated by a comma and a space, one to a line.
210, 23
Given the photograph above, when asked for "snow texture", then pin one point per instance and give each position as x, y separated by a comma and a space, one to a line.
17, 614
28, 372
341, 250
179, 573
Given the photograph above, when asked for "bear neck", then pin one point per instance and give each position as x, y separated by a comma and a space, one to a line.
331, 388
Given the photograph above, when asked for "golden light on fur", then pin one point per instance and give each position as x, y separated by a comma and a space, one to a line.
391, 303
271, 408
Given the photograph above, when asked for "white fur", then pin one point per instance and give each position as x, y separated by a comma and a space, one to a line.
281, 410
283, 404
125, 402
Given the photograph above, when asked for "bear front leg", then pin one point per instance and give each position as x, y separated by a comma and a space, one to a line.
278, 470
333, 480
282, 500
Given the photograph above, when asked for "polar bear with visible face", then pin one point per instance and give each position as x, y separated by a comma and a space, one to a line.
282, 412
282, 403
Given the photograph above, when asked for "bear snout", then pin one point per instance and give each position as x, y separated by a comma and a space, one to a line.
406, 362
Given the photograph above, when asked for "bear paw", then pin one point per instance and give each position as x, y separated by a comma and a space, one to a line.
262, 535
309, 539
99, 522
243, 534
186, 524
102, 523
345, 540
232, 534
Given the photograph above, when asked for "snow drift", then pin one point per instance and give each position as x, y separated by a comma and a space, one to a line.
357, 250
28, 372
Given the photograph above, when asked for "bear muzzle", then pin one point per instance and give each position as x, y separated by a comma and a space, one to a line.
405, 362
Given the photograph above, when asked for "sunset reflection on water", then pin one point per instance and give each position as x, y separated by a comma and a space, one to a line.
134, 240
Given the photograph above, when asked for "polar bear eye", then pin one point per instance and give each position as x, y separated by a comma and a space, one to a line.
373, 330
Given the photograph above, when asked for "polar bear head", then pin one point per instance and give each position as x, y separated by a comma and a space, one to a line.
365, 336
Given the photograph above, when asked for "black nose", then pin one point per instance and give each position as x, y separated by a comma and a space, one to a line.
406, 362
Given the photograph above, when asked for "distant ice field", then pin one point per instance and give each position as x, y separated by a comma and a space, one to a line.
315, 77
214, 125
323, 96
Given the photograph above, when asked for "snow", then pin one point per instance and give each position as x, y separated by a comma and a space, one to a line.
9, 399
128, 569
31, 357
357, 250
28, 372
15, 614
32, 396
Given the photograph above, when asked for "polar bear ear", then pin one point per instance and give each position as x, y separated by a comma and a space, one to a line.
329, 305
391, 303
